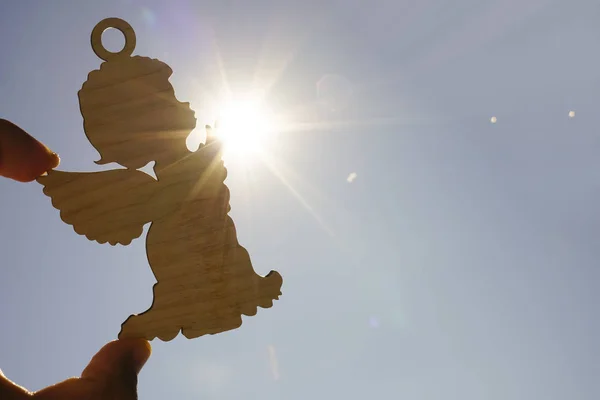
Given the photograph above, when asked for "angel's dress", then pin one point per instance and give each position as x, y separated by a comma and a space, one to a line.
205, 280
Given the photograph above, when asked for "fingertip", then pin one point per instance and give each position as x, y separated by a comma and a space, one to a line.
119, 355
141, 350
53, 160
22, 157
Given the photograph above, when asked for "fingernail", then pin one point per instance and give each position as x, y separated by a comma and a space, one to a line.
55, 159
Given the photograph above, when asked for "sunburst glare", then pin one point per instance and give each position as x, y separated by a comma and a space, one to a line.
246, 127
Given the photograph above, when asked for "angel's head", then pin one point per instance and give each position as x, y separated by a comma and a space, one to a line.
131, 114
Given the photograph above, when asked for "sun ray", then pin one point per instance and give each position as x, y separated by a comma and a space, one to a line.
271, 165
314, 126
278, 168
203, 179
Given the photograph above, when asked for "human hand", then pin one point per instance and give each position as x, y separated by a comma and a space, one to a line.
112, 372
110, 375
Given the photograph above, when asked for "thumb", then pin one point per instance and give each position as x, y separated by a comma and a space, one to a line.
124, 356
111, 374
116, 366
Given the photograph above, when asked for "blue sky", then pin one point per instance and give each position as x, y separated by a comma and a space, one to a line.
461, 263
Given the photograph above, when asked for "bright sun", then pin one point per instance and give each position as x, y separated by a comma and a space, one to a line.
246, 127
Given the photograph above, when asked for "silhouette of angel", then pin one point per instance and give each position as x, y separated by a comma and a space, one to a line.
205, 279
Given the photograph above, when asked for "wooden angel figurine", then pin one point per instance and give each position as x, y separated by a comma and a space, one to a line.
205, 280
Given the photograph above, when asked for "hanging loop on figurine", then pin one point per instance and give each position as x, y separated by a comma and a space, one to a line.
120, 25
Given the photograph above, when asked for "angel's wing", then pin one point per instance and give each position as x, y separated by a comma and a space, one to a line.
109, 206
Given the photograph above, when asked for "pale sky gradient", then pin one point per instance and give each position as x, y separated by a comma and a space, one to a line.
461, 263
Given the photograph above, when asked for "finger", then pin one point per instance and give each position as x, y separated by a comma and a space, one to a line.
111, 374
22, 157
119, 355
10, 391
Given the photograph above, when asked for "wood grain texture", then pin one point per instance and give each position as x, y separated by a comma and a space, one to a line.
205, 279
